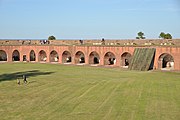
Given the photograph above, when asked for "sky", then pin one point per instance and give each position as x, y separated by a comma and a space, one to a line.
88, 19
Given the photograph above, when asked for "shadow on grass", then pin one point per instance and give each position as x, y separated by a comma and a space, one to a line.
19, 75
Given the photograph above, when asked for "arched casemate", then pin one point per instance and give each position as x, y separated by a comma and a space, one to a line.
125, 59
109, 59
3, 55
54, 56
79, 57
166, 61
15, 55
94, 58
42, 57
66, 57
32, 56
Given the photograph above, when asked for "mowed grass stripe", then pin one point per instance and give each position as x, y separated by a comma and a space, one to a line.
162, 99
80, 110
32, 101
74, 99
88, 93
76, 104
64, 101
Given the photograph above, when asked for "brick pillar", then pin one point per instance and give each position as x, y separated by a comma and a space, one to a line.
86, 59
48, 57
9, 56
160, 63
73, 59
60, 58
20, 57
27, 57
121, 63
37, 57
117, 61
101, 60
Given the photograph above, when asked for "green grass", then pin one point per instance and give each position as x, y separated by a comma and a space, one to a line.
58, 92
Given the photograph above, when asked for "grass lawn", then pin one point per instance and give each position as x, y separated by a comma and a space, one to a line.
59, 92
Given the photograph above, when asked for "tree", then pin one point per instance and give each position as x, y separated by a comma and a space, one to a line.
51, 38
140, 35
168, 36
162, 34
165, 36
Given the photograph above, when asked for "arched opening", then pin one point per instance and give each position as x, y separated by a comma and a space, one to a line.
54, 56
15, 55
79, 57
3, 55
166, 61
42, 57
66, 57
94, 58
32, 56
125, 59
109, 59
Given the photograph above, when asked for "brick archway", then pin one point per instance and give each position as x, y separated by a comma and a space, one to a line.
166, 61
15, 55
94, 58
32, 56
109, 59
66, 57
79, 57
42, 56
125, 59
3, 55
53, 57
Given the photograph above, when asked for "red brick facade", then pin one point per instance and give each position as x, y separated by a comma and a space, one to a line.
78, 54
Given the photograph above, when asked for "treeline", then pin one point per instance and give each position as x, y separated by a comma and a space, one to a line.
162, 35
140, 35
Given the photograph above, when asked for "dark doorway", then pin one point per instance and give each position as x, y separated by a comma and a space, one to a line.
96, 60
24, 58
